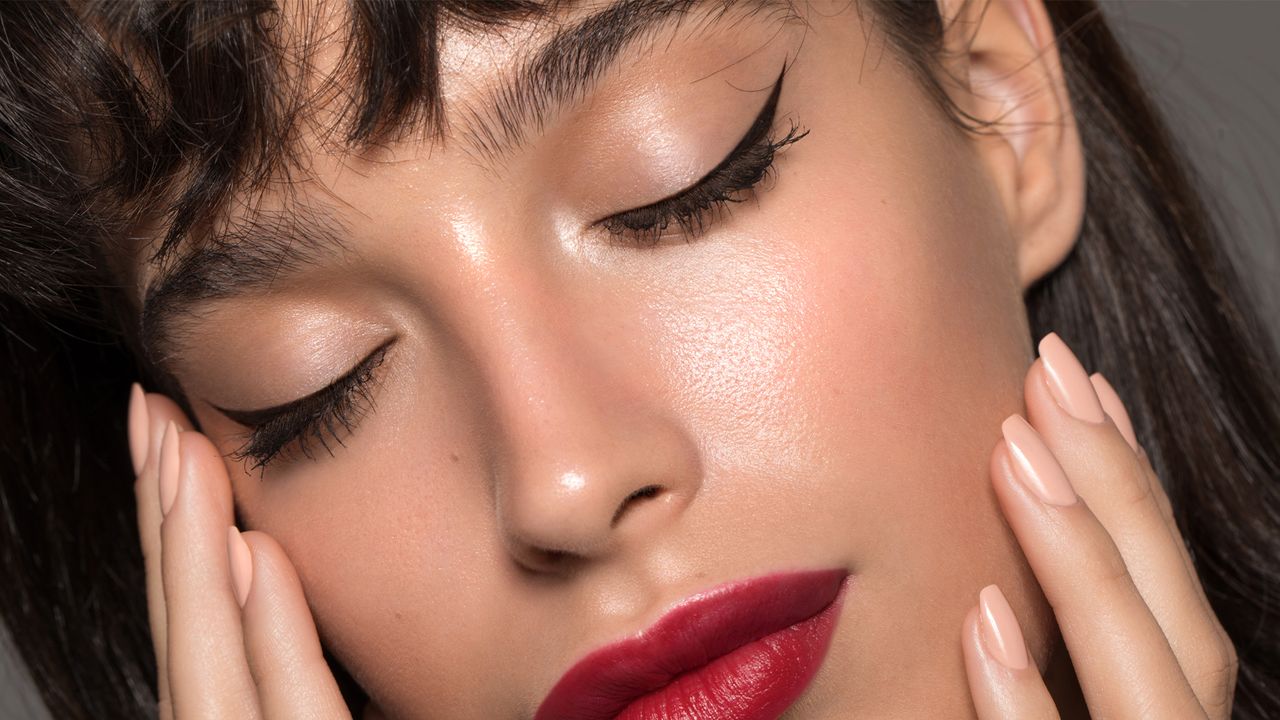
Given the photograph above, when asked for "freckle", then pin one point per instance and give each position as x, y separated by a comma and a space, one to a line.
453, 457
398, 615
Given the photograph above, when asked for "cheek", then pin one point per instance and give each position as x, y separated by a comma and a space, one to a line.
916, 337
915, 345
876, 323
915, 358
725, 319
870, 342
387, 541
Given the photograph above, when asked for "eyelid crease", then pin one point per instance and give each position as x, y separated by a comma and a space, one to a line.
331, 412
759, 127
260, 416
336, 408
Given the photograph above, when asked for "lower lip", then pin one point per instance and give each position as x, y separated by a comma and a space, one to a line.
758, 681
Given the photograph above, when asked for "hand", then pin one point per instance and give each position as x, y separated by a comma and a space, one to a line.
215, 658
1095, 525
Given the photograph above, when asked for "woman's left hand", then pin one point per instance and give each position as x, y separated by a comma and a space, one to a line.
1095, 525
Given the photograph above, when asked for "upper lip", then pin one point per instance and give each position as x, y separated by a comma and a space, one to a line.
692, 634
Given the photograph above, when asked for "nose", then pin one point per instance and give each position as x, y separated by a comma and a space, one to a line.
580, 481
589, 455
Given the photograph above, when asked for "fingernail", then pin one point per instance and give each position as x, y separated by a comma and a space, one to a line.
241, 564
155, 439
1114, 407
139, 425
1068, 382
1000, 630
1034, 463
169, 451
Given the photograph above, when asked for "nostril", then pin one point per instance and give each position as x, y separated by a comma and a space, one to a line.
647, 491
555, 557
644, 492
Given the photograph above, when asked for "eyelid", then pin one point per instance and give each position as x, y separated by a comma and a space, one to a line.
760, 126
259, 416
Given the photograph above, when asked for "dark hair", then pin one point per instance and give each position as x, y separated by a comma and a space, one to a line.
117, 118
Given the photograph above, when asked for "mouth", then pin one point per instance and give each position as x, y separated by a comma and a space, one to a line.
740, 651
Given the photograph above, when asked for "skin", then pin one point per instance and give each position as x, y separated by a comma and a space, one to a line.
819, 380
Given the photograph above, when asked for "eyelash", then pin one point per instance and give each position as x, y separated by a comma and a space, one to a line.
333, 411
328, 414
692, 210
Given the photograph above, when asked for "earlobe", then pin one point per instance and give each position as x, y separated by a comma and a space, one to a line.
1007, 72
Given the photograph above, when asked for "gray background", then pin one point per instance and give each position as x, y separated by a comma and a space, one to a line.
1214, 67
1215, 70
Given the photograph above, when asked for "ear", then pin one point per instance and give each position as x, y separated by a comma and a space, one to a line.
1007, 73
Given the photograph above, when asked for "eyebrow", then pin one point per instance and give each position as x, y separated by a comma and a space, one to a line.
568, 66
250, 256
256, 252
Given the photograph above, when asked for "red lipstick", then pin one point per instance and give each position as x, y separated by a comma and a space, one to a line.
741, 651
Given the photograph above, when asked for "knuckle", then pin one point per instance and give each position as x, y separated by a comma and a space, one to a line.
1101, 561
1158, 490
1230, 664
1133, 489
1155, 486
1215, 680
1115, 575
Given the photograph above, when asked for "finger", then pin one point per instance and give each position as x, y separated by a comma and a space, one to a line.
1113, 406
1121, 656
1115, 410
1123, 496
279, 633
208, 673
1161, 494
149, 414
1003, 681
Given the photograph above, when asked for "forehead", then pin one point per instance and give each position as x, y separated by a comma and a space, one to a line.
328, 77
491, 85
347, 87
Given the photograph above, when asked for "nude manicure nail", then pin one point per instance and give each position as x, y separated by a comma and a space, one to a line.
1068, 381
241, 562
1114, 406
155, 441
139, 425
1000, 631
1034, 463
169, 452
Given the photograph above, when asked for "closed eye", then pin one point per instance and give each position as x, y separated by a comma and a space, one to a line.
326, 415
691, 209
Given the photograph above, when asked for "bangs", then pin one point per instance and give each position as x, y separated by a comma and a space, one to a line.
205, 98
134, 125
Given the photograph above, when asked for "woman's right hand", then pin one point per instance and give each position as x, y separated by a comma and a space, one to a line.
233, 635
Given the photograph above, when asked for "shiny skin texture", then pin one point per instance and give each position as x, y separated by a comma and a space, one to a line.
816, 381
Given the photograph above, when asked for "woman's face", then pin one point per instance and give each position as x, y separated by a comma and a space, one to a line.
570, 432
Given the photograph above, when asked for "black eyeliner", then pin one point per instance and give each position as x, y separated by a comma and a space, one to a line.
334, 409
260, 416
759, 128
741, 169
329, 410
